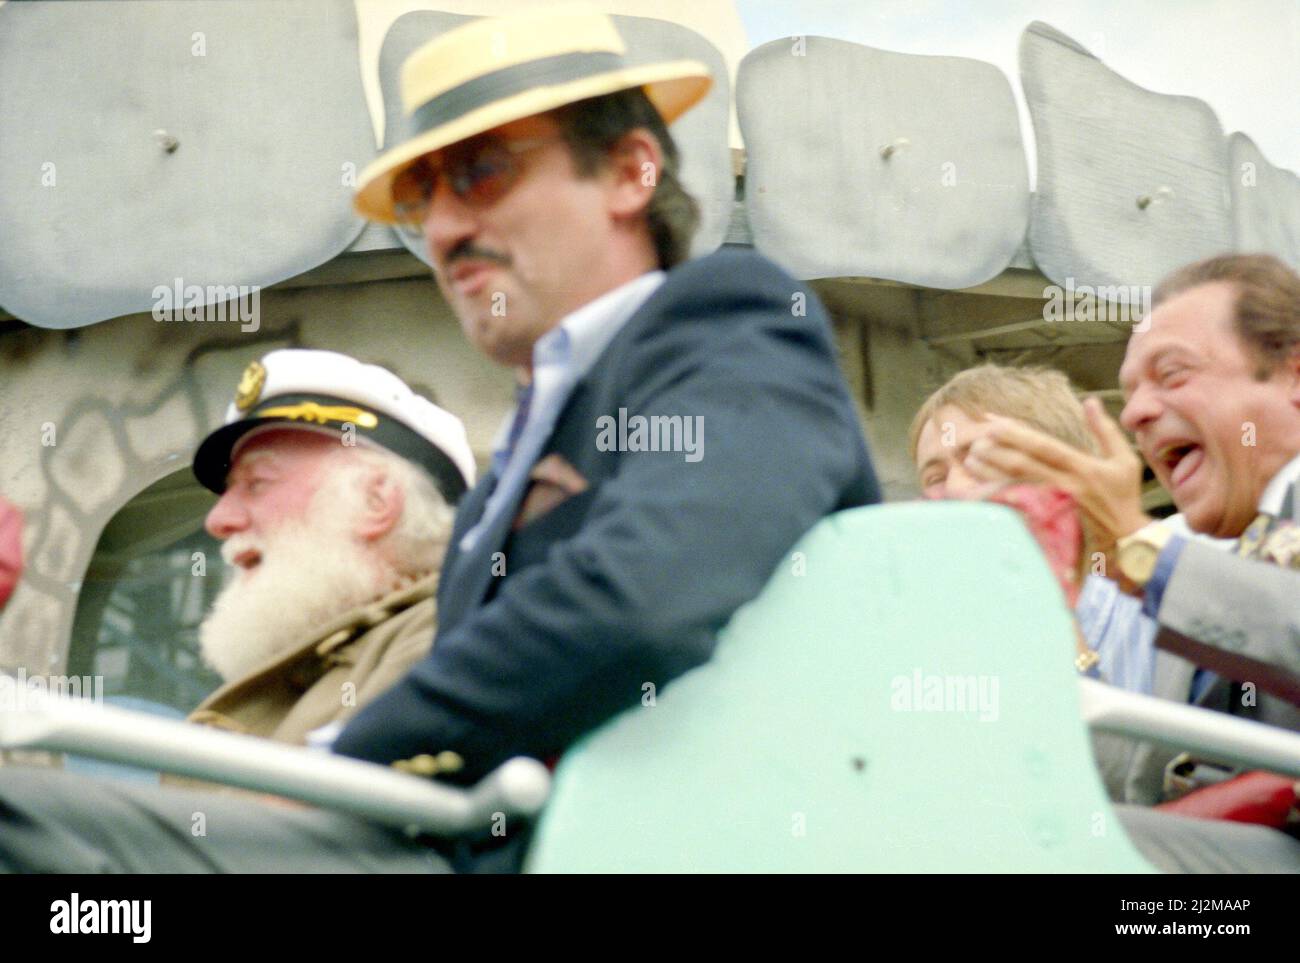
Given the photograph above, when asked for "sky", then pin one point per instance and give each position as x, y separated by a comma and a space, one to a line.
1242, 57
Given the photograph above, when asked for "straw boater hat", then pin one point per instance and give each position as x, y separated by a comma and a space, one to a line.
498, 69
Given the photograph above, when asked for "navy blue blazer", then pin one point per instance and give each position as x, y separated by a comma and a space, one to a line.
628, 582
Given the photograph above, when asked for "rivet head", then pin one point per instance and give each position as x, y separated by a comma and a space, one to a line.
889, 150
166, 141
1161, 193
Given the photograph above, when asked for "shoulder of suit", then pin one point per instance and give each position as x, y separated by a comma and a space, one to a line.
729, 285
729, 268
707, 300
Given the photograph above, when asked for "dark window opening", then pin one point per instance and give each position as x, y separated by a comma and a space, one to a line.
153, 577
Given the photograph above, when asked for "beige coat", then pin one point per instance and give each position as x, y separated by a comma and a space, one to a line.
330, 677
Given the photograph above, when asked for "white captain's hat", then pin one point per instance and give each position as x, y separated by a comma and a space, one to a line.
328, 391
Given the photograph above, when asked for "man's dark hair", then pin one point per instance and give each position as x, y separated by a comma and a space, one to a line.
591, 127
1267, 310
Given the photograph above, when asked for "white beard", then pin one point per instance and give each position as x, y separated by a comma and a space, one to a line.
310, 573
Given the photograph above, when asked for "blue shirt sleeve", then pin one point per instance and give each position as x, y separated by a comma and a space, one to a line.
1154, 593
1114, 626
1155, 588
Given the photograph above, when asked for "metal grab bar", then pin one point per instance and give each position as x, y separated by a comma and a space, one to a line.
36, 720
1213, 735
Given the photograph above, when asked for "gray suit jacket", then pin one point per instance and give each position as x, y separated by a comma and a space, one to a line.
1238, 617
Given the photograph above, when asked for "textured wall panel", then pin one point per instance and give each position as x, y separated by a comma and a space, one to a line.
701, 133
1131, 184
946, 208
1265, 202
265, 107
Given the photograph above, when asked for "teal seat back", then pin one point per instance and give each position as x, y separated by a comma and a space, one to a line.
900, 698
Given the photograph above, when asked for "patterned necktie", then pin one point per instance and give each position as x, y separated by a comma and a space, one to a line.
1271, 539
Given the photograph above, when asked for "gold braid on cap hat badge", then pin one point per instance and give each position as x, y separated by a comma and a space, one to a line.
322, 414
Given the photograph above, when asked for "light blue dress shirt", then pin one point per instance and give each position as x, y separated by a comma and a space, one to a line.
1122, 629
1122, 636
561, 358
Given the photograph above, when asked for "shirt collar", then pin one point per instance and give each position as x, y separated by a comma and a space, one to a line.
1274, 497
577, 341
582, 335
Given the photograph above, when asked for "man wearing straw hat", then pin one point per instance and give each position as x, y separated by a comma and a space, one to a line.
680, 424
593, 561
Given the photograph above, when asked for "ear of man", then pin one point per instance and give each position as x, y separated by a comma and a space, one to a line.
1291, 367
635, 162
383, 500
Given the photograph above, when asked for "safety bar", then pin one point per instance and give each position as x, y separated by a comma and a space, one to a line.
1212, 735
41, 721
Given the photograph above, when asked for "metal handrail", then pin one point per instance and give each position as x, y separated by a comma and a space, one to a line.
1211, 735
40, 721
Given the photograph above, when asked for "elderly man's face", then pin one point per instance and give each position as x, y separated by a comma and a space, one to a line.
512, 268
1213, 433
289, 522
272, 481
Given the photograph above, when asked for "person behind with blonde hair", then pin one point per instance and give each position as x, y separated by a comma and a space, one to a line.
1038, 396
1117, 640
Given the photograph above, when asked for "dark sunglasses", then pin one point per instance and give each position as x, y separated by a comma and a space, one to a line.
478, 173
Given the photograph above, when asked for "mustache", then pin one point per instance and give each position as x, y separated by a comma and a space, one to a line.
235, 545
466, 250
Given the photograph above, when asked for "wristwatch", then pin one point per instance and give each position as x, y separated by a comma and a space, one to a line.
1137, 553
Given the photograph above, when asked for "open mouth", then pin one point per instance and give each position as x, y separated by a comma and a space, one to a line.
248, 560
1180, 461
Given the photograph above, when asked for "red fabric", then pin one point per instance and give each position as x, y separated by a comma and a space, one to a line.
11, 549
1253, 797
1053, 520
